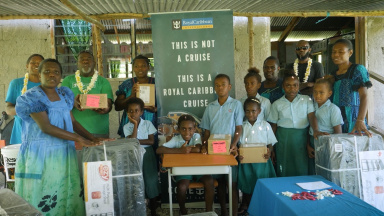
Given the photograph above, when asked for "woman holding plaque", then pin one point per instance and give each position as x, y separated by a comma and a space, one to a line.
130, 87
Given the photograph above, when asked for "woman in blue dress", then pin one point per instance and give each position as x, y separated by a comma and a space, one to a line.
47, 174
350, 88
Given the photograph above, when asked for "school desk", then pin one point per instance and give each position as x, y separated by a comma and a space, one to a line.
198, 164
267, 199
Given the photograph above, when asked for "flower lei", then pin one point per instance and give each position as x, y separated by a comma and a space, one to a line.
80, 84
307, 71
24, 89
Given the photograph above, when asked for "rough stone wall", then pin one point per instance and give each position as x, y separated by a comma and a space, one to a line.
262, 48
18, 40
375, 63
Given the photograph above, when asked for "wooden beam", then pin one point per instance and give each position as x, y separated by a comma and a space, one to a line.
99, 51
289, 28
52, 36
360, 40
251, 46
116, 32
83, 16
313, 14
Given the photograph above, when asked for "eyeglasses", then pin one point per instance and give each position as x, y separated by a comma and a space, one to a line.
302, 48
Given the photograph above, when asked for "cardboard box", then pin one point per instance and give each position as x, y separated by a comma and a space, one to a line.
147, 94
253, 153
93, 101
98, 190
219, 144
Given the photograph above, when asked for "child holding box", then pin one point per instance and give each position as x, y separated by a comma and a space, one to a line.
224, 116
144, 131
188, 142
328, 117
255, 130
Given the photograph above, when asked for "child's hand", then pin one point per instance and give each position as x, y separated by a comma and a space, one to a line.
185, 149
268, 155
310, 151
317, 133
241, 157
204, 149
273, 158
234, 151
133, 121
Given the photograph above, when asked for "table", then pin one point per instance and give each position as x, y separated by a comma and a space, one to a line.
266, 201
198, 164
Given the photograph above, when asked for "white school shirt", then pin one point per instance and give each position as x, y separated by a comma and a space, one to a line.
259, 132
177, 141
144, 129
265, 106
291, 114
328, 116
223, 119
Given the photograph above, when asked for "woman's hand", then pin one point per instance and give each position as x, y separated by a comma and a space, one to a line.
135, 89
360, 127
150, 108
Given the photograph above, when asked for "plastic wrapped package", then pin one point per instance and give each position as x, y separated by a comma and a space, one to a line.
13, 204
126, 156
337, 158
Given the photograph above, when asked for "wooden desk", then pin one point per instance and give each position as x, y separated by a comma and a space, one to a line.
199, 164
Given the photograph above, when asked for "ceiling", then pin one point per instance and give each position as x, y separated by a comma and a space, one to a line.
253, 7
335, 15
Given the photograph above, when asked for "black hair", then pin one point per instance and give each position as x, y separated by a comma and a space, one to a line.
85, 51
33, 55
223, 76
346, 42
253, 72
40, 68
137, 101
328, 80
146, 59
252, 100
272, 58
289, 73
184, 118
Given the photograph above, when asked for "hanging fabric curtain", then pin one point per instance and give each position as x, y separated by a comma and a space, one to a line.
77, 35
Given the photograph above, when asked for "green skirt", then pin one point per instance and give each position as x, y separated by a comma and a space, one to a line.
249, 173
311, 161
291, 152
150, 174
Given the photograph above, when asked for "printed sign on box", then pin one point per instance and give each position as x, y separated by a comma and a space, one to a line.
219, 144
98, 190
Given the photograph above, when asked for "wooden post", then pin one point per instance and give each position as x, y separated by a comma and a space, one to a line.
360, 40
251, 42
99, 51
53, 41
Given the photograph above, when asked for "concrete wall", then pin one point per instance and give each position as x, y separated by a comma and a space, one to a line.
262, 48
21, 38
18, 40
375, 63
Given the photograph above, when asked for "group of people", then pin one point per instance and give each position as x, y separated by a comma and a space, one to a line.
286, 114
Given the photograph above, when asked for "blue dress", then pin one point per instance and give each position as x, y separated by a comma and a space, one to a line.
346, 95
272, 93
47, 174
125, 88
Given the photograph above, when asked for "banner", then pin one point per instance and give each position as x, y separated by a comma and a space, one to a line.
189, 50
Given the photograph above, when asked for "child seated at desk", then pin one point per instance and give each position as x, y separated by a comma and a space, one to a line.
255, 130
144, 131
188, 142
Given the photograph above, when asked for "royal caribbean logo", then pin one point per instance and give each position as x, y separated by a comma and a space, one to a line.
176, 24
194, 23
